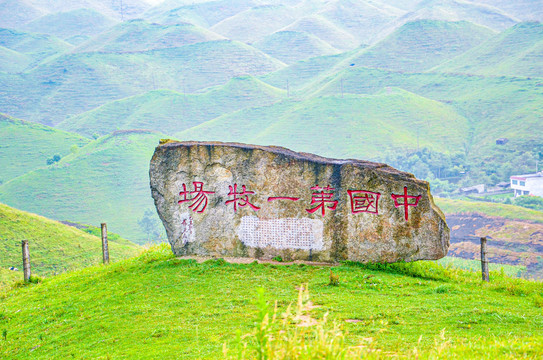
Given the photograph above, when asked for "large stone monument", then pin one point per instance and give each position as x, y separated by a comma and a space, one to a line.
227, 199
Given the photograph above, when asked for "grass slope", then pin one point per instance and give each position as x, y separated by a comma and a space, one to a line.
171, 112
25, 146
422, 44
38, 47
352, 126
139, 35
72, 26
126, 9
54, 247
517, 51
156, 305
74, 83
254, 24
106, 181
14, 13
325, 30
293, 46
202, 13
13, 61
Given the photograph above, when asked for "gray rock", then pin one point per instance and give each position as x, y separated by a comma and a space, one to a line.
227, 199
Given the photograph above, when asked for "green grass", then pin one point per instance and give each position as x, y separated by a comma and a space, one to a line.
422, 44
69, 25
293, 46
452, 206
517, 51
105, 181
54, 247
26, 146
475, 266
156, 305
172, 111
359, 126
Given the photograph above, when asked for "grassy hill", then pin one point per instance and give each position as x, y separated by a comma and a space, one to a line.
517, 51
126, 9
54, 247
25, 146
139, 35
14, 13
254, 24
105, 181
202, 13
293, 46
37, 47
158, 305
422, 44
171, 112
525, 10
325, 30
77, 82
73, 26
13, 61
349, 126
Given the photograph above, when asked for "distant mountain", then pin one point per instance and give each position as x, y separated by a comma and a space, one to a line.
118, 9
325, 30
77, 82
36, 47
422, 44
517, 51
54, 247
254, 24
74, 26
170, 112
293, 46
105, 181
26, 146
526, 10
139, 35
202, 13
15, 13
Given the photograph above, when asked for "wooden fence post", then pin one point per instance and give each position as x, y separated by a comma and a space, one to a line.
105, 249
26, 260
484, 261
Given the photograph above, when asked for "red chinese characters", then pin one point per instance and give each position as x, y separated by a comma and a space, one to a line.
323, 199
273, 198
240, 199
364, 201
406, 204
199, 200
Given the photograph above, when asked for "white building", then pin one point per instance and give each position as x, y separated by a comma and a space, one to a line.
530, 184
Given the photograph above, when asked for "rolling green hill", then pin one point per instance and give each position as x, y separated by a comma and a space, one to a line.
73, 26
38, 47
517, 51
14, 13
105, 181
74, 83
202, 13
357, 126
170, 112
125, 9
254, 24
157, 305
139, 35
421, 45
13, 61
325, 30
293, 46
54, 247
25, 146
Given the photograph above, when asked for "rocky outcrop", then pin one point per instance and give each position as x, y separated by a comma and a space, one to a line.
228, 199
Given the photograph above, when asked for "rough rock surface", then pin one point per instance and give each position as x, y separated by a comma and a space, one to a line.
227, 199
